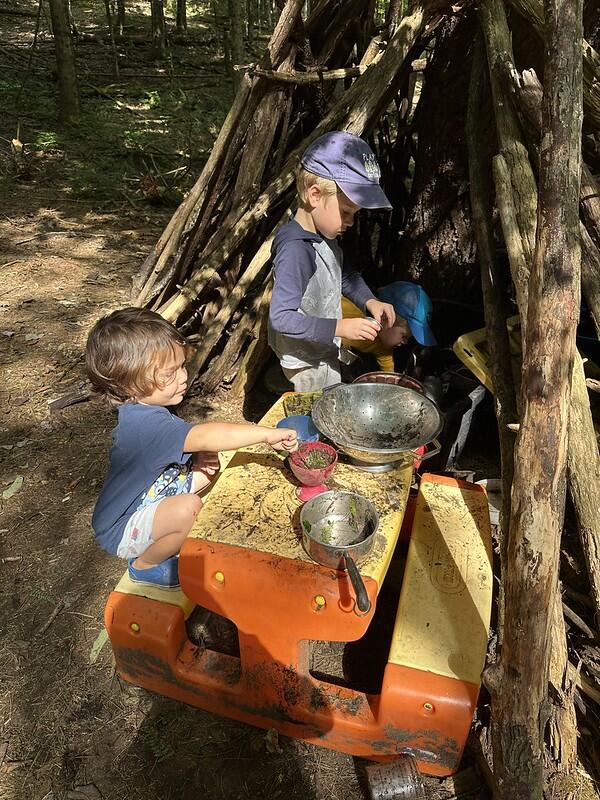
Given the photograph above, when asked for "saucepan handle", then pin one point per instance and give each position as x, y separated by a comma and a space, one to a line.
437, 446
362, 598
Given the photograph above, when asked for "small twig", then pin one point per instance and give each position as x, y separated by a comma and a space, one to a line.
45, 233
586, 686
10, 559
51, 618
129, 200
10, 263
576, 620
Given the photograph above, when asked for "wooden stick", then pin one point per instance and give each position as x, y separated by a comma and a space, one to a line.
256, 355
237, 340
171, 236
51, 618
586, 686
217, 325
301, 78
576, 620
354, 111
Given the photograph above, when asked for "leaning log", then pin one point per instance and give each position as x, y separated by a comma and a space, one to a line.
533, 10
355, 111
539, 488
584, 458
491, 283
526, 91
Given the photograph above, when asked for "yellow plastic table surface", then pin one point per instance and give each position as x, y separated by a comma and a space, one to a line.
254, 505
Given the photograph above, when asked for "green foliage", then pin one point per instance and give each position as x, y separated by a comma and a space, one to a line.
134, 132
47, 140
156, 741
152, 98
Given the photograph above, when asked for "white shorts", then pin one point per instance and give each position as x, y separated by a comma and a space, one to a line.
137, 536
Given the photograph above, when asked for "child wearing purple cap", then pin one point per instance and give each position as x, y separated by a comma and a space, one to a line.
338, 175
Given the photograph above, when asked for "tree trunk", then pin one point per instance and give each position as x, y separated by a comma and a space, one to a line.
583, 459
520, 712
181, 20
72, 26
521, 189
68, 108
492, 288
120, 16
159, 38
236, 40
250, 20
111, 33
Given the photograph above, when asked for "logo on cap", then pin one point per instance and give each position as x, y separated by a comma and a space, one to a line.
371, 167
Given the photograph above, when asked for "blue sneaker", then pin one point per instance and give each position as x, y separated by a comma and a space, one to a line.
165, 574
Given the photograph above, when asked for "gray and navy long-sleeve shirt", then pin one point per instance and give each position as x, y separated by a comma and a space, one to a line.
309, 280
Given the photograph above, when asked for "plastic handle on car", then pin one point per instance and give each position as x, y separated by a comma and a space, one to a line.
437, 446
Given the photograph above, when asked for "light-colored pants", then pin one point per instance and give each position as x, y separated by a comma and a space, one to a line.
311, 379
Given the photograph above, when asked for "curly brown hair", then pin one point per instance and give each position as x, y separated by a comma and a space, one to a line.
125, 350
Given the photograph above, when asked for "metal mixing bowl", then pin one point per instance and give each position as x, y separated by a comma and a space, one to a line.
377, 423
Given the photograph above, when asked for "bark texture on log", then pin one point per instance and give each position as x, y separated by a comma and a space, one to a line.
583, 458
527, 93
533, 10
492, 286
541, 452
521, 189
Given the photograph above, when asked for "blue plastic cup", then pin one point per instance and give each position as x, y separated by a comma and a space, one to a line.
303, 425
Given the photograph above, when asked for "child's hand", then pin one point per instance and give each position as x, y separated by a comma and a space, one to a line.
384, 313
283, 439
358, 328
208, 463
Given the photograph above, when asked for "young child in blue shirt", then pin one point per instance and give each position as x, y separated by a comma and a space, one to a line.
338, 175
147, 504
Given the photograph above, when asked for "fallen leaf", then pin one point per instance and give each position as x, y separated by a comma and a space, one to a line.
101, 640
13, 488
272, 741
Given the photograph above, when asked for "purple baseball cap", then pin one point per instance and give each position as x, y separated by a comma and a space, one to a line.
349, 161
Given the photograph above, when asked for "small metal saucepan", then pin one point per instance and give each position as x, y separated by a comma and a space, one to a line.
337, 528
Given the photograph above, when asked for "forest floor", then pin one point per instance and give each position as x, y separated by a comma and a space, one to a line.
79, 210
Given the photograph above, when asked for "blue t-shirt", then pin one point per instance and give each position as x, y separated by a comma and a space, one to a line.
146, 440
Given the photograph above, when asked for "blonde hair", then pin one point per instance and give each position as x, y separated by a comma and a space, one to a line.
125, 350
306, 179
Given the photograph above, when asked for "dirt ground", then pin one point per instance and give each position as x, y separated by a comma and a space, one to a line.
75, 224
70, 727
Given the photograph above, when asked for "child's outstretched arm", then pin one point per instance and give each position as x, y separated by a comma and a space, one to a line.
214, 436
